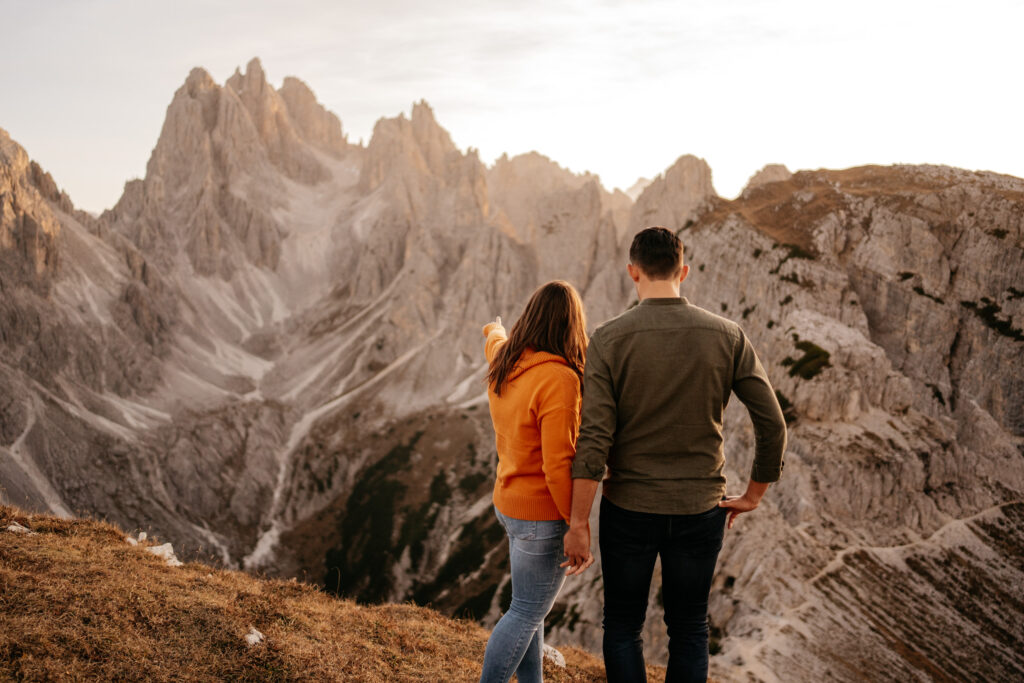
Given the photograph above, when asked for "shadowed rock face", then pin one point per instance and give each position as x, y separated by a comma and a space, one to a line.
269, 351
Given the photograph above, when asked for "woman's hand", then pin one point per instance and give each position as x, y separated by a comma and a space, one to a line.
495, 325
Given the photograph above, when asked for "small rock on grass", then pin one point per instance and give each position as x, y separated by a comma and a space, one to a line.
166, 551
254, 637
554, 656
16, 528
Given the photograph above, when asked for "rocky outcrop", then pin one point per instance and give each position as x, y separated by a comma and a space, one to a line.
676, 197
269, 115
28, 232
514, 184
229, 152
637, 188
314, 124
771, 173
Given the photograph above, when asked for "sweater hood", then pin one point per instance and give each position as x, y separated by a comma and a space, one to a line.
531, 359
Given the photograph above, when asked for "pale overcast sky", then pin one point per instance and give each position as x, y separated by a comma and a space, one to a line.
621, 89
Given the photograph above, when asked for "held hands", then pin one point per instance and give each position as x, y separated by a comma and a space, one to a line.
577, 549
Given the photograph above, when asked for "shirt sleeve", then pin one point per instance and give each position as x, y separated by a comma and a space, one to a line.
559, 420
752, 387
597, 429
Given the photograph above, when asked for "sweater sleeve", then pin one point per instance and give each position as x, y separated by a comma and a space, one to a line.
558, 418
496, 336
752, 387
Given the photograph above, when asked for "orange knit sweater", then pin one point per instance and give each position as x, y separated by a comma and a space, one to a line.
536, 422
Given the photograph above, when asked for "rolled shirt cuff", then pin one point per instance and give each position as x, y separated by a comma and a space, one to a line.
765, 474
582, 470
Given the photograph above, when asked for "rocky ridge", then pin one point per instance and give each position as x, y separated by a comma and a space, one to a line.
269, 351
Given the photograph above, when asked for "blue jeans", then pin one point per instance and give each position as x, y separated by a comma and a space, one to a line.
516, 644
688, 545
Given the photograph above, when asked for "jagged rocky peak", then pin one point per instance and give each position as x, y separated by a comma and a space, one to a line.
537, 171
432, 138
419, 153
316, 125
270, 116
771, 173
679, 195
220, 169
524, 191
28, 229
637, 188
399, 144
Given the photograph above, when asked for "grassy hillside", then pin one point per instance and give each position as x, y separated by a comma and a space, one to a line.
79, 602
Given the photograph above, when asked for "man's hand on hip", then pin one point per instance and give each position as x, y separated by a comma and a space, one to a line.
748, 501
577, 549
737, 505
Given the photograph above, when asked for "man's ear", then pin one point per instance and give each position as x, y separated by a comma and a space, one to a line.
634, 272
684, 273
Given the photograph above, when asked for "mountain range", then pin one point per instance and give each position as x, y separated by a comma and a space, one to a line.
269, 351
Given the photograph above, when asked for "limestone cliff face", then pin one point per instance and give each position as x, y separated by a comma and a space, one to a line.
269, 351
556, 212
84, 320
228, 152
210, 138
314, 124
675, 197
28, 233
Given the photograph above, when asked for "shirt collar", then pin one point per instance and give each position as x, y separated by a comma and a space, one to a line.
665, 301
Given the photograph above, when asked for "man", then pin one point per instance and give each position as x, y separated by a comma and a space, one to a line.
656, 383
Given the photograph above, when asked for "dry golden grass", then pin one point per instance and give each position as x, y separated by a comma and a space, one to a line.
79, 603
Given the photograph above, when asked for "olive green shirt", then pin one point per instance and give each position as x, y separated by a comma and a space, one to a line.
655, 385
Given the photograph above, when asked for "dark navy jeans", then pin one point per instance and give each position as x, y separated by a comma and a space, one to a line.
688, 545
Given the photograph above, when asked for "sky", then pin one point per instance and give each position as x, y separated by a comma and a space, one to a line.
621, 89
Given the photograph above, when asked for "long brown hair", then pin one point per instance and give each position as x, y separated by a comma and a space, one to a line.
553, 321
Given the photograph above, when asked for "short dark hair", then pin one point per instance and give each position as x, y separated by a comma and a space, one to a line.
657, 252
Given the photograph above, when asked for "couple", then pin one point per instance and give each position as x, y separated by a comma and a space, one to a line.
653, 384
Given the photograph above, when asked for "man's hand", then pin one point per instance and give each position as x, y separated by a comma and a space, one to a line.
577, 548
748, 501
737, 505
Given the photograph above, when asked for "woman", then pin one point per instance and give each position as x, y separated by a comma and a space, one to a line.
534, 393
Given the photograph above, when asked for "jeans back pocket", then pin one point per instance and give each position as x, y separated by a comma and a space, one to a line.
523, 529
